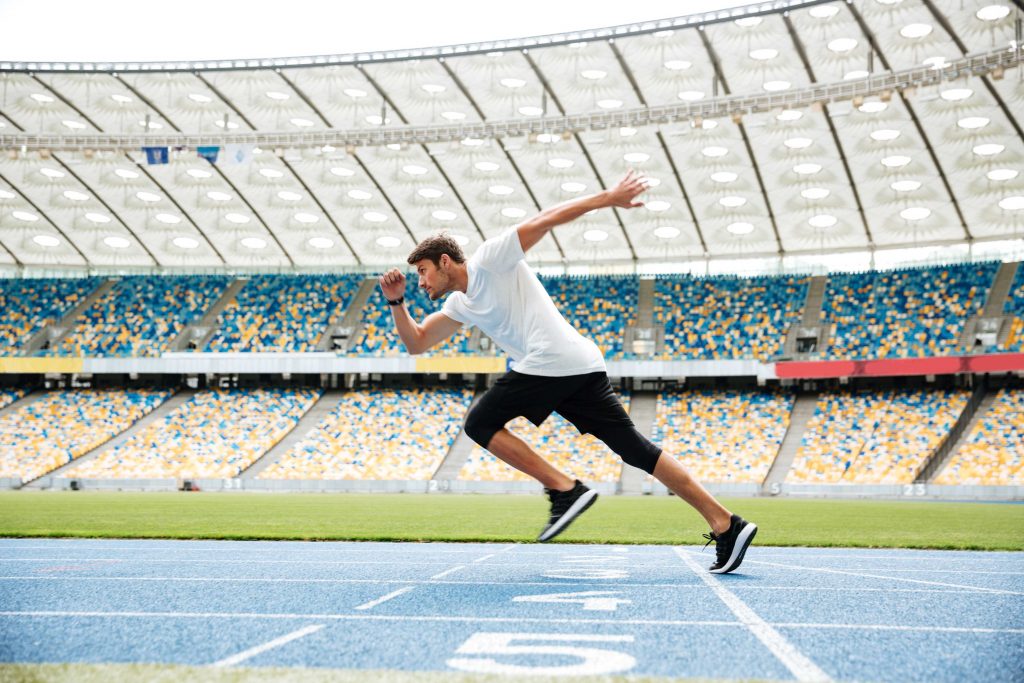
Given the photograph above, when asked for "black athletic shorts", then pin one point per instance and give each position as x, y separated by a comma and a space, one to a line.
587, 401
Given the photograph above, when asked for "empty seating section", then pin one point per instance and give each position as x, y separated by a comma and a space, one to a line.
993, 453
378, 336
875, 437
283, 313
600, 307
140, 316
381, 434
722, 318
558, 442
1014, 307
910, 313
215, 434
62, 425
30, 304
9, 396
723, 435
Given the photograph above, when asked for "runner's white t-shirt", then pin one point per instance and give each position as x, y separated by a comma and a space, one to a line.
508, 303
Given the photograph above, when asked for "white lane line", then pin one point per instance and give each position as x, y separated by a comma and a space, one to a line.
446, 572
300, 546
475, 619
899, 627
798, 664
259, 649
208, 560
484, 558
385, 598
432, 580
979, 589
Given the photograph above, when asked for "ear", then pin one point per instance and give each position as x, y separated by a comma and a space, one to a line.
445, 261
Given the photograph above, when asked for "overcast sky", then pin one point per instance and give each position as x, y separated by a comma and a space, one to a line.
102, 30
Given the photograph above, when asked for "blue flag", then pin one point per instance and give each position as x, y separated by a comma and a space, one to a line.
156, 155
209, 153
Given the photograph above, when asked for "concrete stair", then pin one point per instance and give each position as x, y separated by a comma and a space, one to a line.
26, 400
349, 323
643, 408
1000, 290
810, 323
200, 332
979, 403
158, 413
459, 452
51, 335
327, 402
644, 330
991, 325
803, 411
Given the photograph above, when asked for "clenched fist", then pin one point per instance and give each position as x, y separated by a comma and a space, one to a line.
392, 284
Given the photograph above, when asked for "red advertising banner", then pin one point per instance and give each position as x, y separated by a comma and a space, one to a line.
900, 367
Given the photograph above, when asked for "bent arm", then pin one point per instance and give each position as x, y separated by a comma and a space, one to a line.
418, 337
622, 196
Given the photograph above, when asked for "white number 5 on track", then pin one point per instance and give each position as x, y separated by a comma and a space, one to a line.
593, 661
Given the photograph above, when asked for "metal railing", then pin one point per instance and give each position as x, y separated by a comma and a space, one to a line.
877, 85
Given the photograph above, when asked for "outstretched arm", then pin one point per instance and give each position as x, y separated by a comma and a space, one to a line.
622, 196
417, 337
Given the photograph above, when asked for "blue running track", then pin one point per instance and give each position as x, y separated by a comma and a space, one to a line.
790, 613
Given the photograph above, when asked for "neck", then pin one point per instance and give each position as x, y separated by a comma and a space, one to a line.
460, 278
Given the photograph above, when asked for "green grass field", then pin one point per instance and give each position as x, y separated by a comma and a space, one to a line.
408, 517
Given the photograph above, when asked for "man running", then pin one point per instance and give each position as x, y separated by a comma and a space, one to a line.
555, 369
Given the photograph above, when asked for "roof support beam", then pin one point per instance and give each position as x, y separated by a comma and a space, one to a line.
716, 63
45, 216
661, 141
799, 44
583, 148
84, 184
913, 117
387, 99
300, 181
943, 21
501, 145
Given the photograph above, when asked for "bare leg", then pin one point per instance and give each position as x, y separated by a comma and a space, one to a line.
518, 453
673, 475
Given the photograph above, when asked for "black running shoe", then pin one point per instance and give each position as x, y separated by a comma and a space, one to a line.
731, 545
565, 507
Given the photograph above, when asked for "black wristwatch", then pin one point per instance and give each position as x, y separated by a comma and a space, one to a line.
396, 302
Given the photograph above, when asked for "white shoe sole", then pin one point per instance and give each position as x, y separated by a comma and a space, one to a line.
738, 549
574, 510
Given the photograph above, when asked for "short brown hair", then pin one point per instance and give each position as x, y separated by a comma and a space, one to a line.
434, 246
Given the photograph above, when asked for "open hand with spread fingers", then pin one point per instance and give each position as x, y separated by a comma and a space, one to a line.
392, 284
627, 190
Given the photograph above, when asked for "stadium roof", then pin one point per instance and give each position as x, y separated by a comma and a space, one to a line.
776, 129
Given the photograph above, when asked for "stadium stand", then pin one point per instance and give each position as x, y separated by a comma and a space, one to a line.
993, 453
558, 442
1014, 307
379, 338
382, 434
63, 425
29, 304
600, 307
723, 435
215, 434
722, 318
140, 316
875, 436
908, 313
282, 313
9, 396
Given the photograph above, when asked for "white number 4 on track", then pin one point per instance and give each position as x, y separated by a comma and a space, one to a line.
592, 601
593, 661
